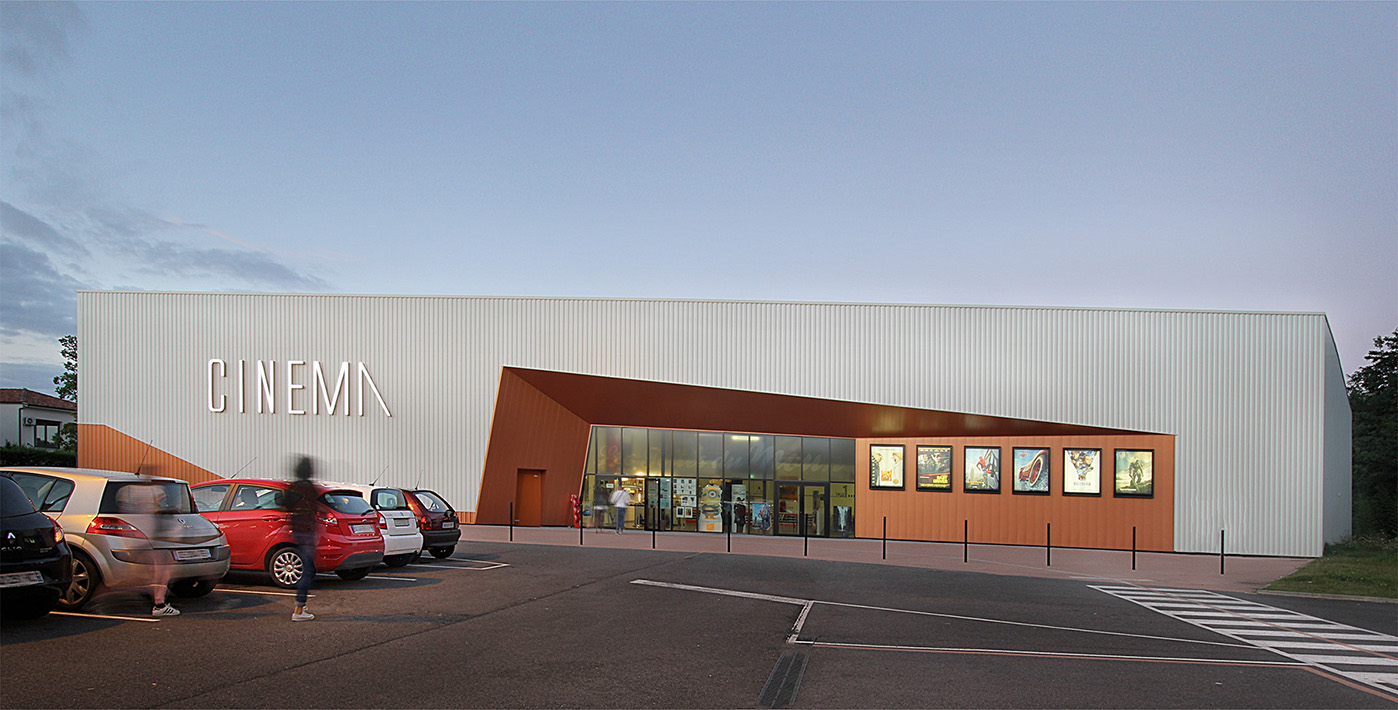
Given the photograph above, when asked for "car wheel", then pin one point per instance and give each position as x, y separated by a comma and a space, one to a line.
353, 574
28, 603
399, 560
285, 565
86, 578
191, 588
442, 553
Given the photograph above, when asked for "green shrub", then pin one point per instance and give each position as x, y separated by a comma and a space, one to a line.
29, 456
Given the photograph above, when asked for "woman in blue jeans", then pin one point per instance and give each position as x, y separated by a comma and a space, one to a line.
301, 497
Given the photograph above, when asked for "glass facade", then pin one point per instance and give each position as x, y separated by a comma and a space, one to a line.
704, 481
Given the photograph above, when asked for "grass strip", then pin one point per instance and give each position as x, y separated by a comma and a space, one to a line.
1366, 567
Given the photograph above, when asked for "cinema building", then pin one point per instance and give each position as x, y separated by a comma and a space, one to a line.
998, 424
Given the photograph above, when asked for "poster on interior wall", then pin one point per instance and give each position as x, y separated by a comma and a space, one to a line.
1031, 471
1082, 472
685, 487
934, 468
689, 501
1135, 473
762, 517
886, 466
664, 493
982, 469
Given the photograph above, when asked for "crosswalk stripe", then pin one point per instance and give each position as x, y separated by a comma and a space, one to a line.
1356, 654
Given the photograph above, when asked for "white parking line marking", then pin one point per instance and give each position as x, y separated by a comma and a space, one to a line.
1056, 654
1246, 621
105, 616
259, 591
805, 602
395, 579
493, 565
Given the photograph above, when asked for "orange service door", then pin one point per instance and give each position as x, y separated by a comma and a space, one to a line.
529, 497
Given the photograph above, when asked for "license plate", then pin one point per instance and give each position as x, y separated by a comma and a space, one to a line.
401, 523
21, 579
448, 524
187, 555
362, 528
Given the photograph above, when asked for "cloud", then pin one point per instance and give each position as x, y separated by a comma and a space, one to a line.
36, 35
18, 225
34, 296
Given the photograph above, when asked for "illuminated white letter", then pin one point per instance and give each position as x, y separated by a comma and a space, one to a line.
241, 386
322, 395
291, 386
364, 376
222, 399
266, 377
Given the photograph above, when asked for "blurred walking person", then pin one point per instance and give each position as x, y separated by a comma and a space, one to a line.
301, 503
151, 499
620, 499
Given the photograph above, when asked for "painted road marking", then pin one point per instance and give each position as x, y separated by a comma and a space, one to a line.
259, 591
808, 602
1357, 654
105, 616
489, 566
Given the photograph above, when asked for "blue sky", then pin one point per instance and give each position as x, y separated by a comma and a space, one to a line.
1158, 155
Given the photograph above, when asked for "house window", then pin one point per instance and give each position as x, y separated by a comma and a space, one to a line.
46, 433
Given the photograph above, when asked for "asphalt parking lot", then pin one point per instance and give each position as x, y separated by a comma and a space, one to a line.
504, 624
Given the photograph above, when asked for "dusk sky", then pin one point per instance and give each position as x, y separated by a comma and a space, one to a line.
1219, 156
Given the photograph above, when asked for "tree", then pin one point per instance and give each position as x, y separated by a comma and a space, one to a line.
67, 388
67, 383
1373, 401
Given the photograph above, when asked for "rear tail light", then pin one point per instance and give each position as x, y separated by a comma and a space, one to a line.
383, 522
328, 521
105, 525
423, 522
57, 531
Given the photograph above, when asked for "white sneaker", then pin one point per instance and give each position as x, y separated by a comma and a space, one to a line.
302, 616
164, 610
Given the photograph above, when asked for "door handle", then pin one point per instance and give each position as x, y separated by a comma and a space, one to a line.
272, 518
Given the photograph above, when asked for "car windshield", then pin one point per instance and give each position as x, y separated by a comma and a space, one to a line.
13, 501
432, 501
146, 497
347, 502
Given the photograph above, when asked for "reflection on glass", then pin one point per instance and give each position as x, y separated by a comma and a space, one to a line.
686, 448
634, 450
788, 458
816, 454
659, 452
710, 455
842, 460
762, 457
609, 454
735, 456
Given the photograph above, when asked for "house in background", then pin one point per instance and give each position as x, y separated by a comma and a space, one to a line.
29, 418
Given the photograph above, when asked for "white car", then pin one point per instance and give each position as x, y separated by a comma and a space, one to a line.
402, 540
115, 542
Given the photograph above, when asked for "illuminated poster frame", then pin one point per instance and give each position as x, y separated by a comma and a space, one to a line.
934, 468
1134, 474
1031, 469
1082, 472
886, 466
981, 473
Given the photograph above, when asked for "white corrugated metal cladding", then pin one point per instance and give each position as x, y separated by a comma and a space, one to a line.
1255, 400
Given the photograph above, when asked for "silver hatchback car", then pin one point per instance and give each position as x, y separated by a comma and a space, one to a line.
117, 543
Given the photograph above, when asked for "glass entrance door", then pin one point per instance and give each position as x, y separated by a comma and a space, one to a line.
803, 509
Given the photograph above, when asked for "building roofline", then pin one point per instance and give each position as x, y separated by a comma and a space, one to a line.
622, 299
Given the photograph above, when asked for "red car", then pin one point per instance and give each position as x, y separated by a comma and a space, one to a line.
252, 516
437, 520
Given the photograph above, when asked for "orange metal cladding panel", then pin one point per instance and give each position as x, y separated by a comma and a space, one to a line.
102, 447
1102, 522
660, 405
531, 431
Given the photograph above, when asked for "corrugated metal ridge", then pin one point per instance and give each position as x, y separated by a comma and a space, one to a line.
721, 301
